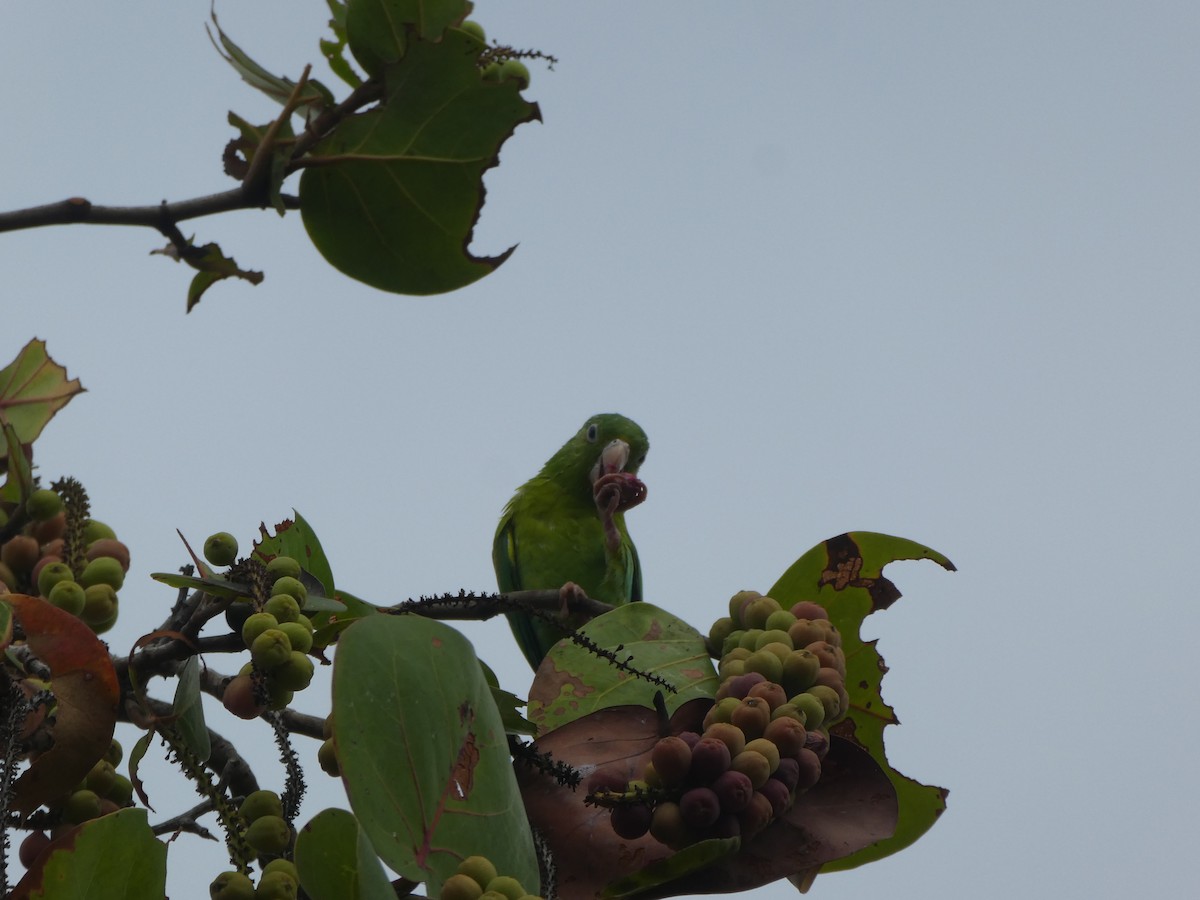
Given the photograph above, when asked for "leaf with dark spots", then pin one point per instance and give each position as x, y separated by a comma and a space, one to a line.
423, 751
297, 539
85, 686
572, 682
844, 575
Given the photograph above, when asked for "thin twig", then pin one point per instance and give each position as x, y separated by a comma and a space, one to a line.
186, 822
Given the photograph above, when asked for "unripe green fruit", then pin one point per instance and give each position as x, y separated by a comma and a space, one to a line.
667, 826
289, 585
300, 635
121, 793
99, 604
283, 865
767, 749
478, 867
268, 834
261, 803
271, 649
278, 696
732, 642
296, 674
729, 735
81, 806
766, 663
52, 574
506, 885
281, 566
68, 596
115, 752
20, 552
221, 548
473, 28
749, 639
731, 667
737, 601
103, 570
277, 886
800, 671
43, 504
829, 700
95, 530
101, 627
753, 765
515, 70
780, 621
231, 886
490, 73
460, 887
492, 895
7, 576
721, 629
781, 649
327, 759
102, 778
721, 711
256, 625
283, 607
787, 711
774, 637
757, 613
812, 709
111, 548
241, 698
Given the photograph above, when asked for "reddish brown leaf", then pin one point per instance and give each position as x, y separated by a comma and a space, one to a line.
85, 685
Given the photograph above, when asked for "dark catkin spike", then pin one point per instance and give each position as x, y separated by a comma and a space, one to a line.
623, 664
294, 786
78, 510
252, 573
546, 867
529, 755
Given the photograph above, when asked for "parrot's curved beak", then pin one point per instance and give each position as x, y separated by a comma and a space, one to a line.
612, 459
612, 486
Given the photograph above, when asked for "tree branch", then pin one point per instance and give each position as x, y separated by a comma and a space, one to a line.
77, 210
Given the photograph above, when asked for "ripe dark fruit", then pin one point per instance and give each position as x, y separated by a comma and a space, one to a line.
268, 834
221, 548
610, 779
740, 686
671, 758
734, 790
808, 770
631, 821
756, 816
19, 553
699, 807
817, 742
773, 693
806, 609
778, 795
240, 699
788, 772
831, 657
788, 735
35, 842
710, 757
111, 548
730, 735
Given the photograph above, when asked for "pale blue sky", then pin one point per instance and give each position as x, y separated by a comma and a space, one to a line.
926, 269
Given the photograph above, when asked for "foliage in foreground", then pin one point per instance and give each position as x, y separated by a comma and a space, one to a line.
652, 772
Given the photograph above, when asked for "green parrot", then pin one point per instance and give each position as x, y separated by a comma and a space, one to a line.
566, 526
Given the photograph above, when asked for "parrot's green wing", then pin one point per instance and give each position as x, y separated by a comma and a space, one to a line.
635, 574
508, 577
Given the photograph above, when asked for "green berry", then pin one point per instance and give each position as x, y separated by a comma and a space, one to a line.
67, 596
99, 604
102, 778
221, 548
103, 570
255, 625
43, 504
811, 708
81, 806
299, 634
283, 607
261, 803
278, 696
121, 793
289, 585
271, 649
506, 885
473, 28
282, 865
296, 674
515, 70
327, 759
95, 530
478, 867
268, 834
281, 566
277, 886
460, 887
231, 886
52, 574
115, 752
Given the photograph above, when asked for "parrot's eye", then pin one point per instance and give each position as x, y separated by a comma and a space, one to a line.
592, 431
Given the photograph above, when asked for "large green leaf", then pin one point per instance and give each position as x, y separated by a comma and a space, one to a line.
572, 682
297, 539
844, 575
391, 197
113, 856
189, 711
336, 860
423, 752
33, 387
379, 31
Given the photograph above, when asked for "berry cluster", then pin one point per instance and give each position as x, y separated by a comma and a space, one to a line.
476, 879
277, 634
268, 834
783, 674
32, 562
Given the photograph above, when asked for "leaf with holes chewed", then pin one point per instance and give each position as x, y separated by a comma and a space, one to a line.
572, 682
423, 752
851, 806
844, 575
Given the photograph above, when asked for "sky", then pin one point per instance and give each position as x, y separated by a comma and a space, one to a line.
922, 269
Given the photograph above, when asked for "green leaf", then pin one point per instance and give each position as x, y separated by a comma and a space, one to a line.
136, 755
213, 586
572, 682
314, 98
212, 266
336, 861
33, 387
250, 144
116, 855
335, 51
392, 196
18, 460
297, 539
379, 31
6, 625
423, 752
190, 711
844, 575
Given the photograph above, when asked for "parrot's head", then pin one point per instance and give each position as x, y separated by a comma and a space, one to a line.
603, 458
